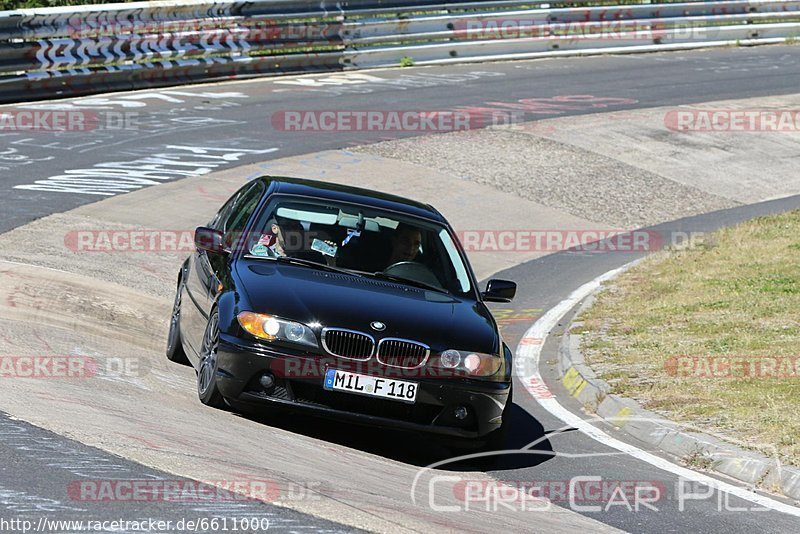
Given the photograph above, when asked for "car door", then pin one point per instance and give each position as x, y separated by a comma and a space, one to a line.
217, 266
200, 278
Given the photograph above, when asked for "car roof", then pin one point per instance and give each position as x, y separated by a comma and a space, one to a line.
345, 193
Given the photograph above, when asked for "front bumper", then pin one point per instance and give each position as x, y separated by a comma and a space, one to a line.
242, 362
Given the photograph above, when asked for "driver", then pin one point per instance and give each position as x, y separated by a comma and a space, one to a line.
406, 241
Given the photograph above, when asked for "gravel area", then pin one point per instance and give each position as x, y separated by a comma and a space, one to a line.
579, 182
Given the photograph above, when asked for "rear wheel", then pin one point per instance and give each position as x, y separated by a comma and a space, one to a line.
207, 372
175, 351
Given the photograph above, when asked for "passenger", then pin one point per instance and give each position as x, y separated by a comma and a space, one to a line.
285, 236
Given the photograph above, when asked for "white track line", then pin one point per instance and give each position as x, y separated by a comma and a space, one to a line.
529, 352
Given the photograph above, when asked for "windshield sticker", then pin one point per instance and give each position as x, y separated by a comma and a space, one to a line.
259, 250
323, 247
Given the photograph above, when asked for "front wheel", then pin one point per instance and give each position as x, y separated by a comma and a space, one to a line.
207, 372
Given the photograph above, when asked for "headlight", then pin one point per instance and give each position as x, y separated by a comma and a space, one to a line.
274, 328
472, 363
450, 359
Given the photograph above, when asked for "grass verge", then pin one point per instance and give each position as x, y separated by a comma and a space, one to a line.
710, 335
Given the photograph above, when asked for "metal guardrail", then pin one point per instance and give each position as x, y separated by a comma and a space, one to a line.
87, 49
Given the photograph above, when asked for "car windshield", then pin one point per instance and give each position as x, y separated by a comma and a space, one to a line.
361, 240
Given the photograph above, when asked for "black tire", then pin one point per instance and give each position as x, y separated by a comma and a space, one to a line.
175, 351
207, 389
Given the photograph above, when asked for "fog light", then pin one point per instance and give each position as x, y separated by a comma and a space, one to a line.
267, 381
461, 413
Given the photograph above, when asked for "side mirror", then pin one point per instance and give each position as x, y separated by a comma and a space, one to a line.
209, 240
499, 291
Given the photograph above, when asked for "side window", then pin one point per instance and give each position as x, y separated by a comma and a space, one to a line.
222, 216
240, 213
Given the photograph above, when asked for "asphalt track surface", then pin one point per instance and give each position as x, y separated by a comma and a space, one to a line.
38, 465
238, 116
236, 124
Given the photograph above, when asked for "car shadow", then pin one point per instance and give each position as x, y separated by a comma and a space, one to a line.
526, 446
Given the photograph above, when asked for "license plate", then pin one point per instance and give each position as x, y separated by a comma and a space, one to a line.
371, 386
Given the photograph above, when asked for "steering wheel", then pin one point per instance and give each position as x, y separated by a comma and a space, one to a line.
413, 271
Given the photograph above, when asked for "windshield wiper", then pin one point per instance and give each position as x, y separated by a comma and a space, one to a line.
408, 281
305, 263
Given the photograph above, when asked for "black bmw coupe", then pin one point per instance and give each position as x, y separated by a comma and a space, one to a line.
346, 303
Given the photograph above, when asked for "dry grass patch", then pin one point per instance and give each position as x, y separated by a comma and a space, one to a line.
690, 334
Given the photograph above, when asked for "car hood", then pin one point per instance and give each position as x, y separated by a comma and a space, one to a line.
339, 300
